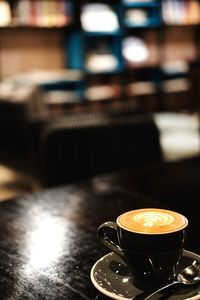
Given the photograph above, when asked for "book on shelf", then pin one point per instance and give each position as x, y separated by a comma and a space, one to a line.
5, 14
23, 13
194, 12
62, 13
40, 13
33, 17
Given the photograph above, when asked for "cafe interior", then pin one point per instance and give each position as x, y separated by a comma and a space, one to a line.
79, 97
99, 101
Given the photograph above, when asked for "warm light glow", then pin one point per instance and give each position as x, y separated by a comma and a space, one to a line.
46, 242
135, 50
171, 67
180, 144
179, 135
98, 17
100, 92
136, 16
101, 62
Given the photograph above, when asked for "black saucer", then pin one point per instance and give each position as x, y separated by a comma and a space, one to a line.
110, 275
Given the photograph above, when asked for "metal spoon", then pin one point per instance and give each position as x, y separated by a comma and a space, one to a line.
188, 276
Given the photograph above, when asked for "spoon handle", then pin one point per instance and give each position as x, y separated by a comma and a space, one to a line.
161, 289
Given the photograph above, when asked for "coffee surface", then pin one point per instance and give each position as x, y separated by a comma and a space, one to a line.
152, 221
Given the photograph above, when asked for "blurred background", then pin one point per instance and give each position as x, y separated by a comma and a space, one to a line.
90, 87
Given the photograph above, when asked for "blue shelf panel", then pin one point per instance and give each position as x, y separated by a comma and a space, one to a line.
77, 87
138, 4
152, 15
148, 24
74, 51
61, 85
74, 85
102, 33
79, 45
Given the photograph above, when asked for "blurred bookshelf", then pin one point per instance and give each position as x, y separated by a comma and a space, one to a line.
124, 55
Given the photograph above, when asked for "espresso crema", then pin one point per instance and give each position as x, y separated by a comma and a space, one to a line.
152, 221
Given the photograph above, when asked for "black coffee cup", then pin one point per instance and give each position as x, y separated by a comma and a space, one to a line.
152, 257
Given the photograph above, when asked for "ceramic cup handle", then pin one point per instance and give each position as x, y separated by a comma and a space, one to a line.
107, 234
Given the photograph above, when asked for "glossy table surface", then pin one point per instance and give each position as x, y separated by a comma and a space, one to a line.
48, 241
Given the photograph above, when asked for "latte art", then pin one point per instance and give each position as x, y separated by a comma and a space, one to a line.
152, 221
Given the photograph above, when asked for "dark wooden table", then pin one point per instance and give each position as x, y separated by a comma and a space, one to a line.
48, 241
